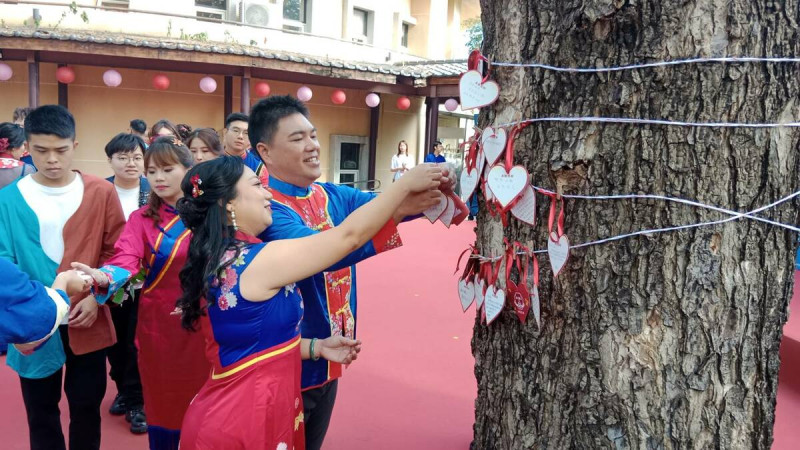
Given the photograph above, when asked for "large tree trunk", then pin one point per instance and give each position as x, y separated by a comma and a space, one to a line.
661, 341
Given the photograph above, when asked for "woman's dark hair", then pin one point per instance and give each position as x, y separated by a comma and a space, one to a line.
164, 123
163, 152
208, 136
184, 131
398, 147
205, 215
124, 143
14, 133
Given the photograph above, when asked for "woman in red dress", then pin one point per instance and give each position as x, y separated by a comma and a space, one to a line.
242, 293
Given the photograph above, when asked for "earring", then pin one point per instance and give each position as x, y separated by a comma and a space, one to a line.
233, 220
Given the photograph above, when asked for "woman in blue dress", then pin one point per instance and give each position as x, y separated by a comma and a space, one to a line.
242, 293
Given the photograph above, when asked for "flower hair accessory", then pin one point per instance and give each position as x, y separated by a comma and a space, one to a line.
3, 144
196, 182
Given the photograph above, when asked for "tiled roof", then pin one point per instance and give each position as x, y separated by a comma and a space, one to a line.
441, 68
423, 69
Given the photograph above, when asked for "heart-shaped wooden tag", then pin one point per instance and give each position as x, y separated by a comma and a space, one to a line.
557, 251
536, 307
435, 211
447, 215
525, 208
469, 181
493, 303
493, 144
507, 186
480, 292
475, 92
466, 293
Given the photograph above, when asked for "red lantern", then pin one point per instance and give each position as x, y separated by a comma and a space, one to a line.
403, 103
261, 89
338, 97
65, 74
161, 82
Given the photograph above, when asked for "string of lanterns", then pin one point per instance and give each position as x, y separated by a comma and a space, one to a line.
207, 84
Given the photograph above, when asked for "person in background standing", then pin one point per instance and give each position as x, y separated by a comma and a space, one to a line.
12, 146
436, 156
126, 156
19, 118
236, 142
184, 131
204, 145
163, 128
138, 127
401, 162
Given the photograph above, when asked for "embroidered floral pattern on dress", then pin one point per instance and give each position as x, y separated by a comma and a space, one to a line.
227, 280
8, 163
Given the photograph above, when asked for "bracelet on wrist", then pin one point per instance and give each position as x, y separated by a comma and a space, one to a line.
311, 350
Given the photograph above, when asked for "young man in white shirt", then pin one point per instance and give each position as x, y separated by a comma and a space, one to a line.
126, 157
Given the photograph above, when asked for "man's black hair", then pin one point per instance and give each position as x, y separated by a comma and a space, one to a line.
54, 120
235, 117
266, 114
124, 143
139, 126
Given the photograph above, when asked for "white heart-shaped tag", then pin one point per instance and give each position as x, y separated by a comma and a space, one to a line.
535, 306
493, 143
469, 181
525, 208
474, 92
507, 186
480, 292
435, 211
557, 251
448, 213
494, 301
466, 293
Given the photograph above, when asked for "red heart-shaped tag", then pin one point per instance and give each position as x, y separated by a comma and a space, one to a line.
520, 300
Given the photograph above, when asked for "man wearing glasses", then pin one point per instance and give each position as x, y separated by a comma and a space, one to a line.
237, 143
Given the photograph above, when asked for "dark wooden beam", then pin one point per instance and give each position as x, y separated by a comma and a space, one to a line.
245, 92
374, 122
428, 141
63, 93
33, 80
434, 122
228, 97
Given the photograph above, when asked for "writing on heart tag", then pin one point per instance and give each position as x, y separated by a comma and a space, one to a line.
536, 307
493, 144
480, 292
507, 186
493, 303
466, 293
525, 208
474, 92
436, 210
557, 251
520, 300
447, 215
469, 182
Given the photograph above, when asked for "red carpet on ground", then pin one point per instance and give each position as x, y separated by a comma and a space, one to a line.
413, 386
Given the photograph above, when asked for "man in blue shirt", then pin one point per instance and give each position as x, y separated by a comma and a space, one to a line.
287, 142
436, 156
236, 142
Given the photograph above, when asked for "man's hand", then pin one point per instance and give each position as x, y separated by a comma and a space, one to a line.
416, 204
84, 314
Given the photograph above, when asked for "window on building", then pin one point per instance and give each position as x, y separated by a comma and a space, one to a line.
213, 4
115, 3
360, 25
404, 28
295, 10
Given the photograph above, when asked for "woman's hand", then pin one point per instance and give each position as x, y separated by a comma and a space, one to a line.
422, 178
99, 277
72, 282
338, 349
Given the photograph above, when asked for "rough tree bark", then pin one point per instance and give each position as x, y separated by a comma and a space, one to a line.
660, 341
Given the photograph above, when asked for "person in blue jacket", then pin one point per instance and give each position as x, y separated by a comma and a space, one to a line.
436, 156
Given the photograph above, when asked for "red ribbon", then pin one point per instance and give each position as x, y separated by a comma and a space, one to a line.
560, 225
475, 57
